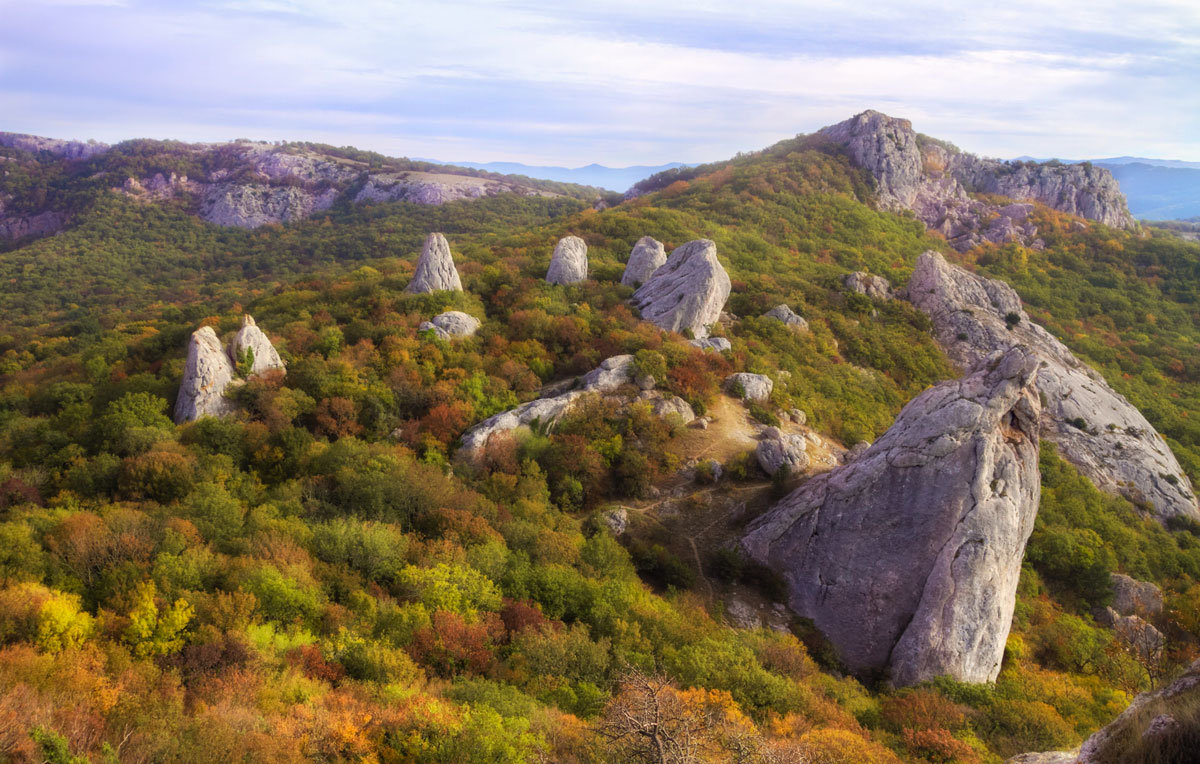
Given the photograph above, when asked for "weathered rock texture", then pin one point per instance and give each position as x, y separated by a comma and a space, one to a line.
451, 324
934, 180
647, 257
568, 264
788, 317
435, 268
716, 344
205, 376
779, 449
1133, 597
688, 292
251, 338
1094, 427
749, 387
875, 287
908, 558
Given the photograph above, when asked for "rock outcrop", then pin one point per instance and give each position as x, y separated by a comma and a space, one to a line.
715, 344
208, 371
251, 206
568, 264
778, 449
688, 292
647, 257
451, 324
36, 144
749, 387
1094, 427
251, 340
907, 559
934, 179
1133, 597
609, 375
435, 268
787, 317
875, 287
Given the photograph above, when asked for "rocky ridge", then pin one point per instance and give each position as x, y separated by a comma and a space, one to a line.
934, 180
907, 559
1094, 427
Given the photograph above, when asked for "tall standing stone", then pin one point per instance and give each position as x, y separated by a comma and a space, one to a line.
251, 338
569, 264
435, 270
647, 257
207, 373
688, 292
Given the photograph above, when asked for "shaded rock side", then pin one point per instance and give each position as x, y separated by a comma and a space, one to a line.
647, 257
908, 558
1094, 427
932, 178
250, 338
568, 264
208, 371
435, 268
688, 292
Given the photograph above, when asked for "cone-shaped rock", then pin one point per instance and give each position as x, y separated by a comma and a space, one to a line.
569, 263
688, 292
435, 269
647, 257
251, 339
907, 558
205, 376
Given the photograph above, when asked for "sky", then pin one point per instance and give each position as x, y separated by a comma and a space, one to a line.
616, 82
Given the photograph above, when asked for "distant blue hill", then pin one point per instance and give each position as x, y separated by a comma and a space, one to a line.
612, 178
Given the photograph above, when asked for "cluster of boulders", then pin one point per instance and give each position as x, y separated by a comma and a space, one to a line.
1094, 426
907, 558
935, 180
210, 369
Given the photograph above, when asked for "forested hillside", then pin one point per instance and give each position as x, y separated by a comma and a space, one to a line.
322, 577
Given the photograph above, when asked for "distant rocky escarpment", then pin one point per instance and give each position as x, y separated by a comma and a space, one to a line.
935, 181
1094, 426
907, 558
211, 369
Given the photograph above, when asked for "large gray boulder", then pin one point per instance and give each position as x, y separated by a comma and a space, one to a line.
778, 449
206, 374
875, 287
544, 410
907, 559
715, 344
688, 292
451, 324
609, 375
647, 257
435, 268
749, 387
1094, 426
250, 339
787, 317
569, 263
1133, 597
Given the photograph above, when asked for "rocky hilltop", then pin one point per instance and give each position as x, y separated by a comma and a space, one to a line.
907, 558
935, 181
1094, 426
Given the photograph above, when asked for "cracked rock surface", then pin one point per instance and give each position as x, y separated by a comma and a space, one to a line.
688, 292
1094, 426
569, 263
647, 257
435, 269
207, 373
907, 559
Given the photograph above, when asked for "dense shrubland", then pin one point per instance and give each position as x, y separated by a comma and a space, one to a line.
321, 578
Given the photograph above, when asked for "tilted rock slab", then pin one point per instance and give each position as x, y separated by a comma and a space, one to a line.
435, 268
908, 558
647, 257
1119, 450
207, 373
569, 263
251, 338
688, 292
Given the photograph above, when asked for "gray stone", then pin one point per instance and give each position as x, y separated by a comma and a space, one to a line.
908, 558
206, 374
789, 318
569, 264
1133, 597
647, 257
674, 406
688, 292
617, 520
609, 375
777, 450
251, 338
799, 417
750, 387
855, 451
543, 410
875, 287
1094, 427
451, 324
716, 344
435, 268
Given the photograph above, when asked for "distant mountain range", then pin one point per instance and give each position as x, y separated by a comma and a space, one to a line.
1156, 189
611, 178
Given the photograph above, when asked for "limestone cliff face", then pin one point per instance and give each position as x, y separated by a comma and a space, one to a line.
687, 292
907, 558
933, 179
1094, 427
